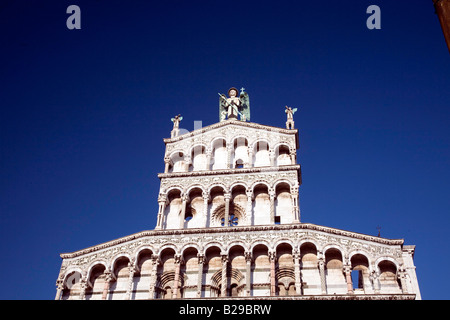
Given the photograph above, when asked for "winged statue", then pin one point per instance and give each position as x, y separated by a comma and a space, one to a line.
235, 106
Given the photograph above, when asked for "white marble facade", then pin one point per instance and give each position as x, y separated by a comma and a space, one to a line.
228, 225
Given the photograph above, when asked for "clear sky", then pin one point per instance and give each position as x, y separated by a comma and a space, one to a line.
84, 112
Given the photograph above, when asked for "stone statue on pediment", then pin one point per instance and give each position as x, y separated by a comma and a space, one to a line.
235, 106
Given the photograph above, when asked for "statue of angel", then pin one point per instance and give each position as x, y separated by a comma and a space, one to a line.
234, 106
290, 117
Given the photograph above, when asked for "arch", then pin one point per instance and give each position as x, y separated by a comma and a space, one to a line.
335, 247
141, 249
174, 189
211, 245
167, 246
173, 208
239, 156
236, 215
219, 154
261, 153
195, 208
234, 244
198, 157
72, 284
260, 268
308, 241
190, 246
388, 258
260, 183
260, 242
237, 185
282, 154
261, 205
360, 272
94, 264
194, 188
116, 258
96, 282
334, 275
284, 208
177, 161
217, 186
282, 242
388, 277
101, 263
254, 144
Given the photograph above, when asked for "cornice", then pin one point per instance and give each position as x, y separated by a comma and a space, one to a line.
237, 229
228, 171
230, 123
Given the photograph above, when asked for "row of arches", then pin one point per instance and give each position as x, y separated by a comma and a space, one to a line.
219, 206
235, 271
236, 154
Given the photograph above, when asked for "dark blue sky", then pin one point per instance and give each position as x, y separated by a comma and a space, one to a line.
84, 112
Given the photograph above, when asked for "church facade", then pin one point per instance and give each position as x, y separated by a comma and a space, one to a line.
229, 225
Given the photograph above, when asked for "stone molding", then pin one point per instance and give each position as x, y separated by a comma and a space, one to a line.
253, 125
319, 233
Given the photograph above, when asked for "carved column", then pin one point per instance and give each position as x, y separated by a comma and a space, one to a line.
177, 276
108, 279
374, 277
272, 158
295, 206
293, 155
298, 281
272, 205
205, 208
83, 287
250, 157
224, 284
162, 200
248, 261
208, 159
230, 165
348, 278
402, 275
59, 288
201, 261
227, 209
272, 259
131, 271
321, 264
166, 165
248, 210
151, 291
185, 199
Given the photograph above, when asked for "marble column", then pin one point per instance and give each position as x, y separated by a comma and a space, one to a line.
59, 289
177, 276
182, 216
131, 271
227, 209
201, 261
321, 265
205, 209
248, 261
272, 259
224, 284
108, 279
272, 205
348, 278
298, 282
162, 201
151, 291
